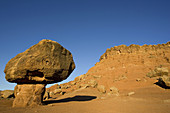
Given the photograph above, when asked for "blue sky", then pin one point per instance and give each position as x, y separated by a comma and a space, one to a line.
84, 27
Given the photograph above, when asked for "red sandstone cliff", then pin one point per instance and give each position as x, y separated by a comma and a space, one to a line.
124, 67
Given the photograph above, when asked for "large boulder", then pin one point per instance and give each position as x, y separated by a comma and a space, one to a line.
45, 62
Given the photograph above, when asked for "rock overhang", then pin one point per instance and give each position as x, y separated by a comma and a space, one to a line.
46, 62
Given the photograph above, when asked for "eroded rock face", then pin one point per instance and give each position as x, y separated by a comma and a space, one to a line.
153, 50
45, 62
28, 95
125, 67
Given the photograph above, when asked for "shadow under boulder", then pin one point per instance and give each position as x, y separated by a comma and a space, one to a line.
164, 82
75, 98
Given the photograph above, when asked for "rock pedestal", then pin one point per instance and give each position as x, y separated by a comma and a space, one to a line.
44, 63
28, 95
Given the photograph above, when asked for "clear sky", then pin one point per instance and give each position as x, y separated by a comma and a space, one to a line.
84, 27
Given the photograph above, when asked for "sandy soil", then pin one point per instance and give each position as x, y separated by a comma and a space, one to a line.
151, 99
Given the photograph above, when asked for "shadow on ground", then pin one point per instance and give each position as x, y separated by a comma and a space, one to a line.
161, 84
75, 98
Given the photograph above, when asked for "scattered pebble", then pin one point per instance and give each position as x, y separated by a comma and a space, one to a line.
131, 93
138, 79
102, 97
50, 105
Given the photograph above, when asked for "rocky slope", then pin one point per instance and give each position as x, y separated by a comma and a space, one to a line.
122, 68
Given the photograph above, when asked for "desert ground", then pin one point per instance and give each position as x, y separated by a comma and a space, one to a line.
150, 99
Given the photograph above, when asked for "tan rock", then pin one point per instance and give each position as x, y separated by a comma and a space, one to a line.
79, 78
93, 83
114, 90
84, 86
57, 91
73, 83
7, 94
51, 94
65, 86
138, 79
101, 88
45, 62
130, 93
159, 71
46, 95
28, 95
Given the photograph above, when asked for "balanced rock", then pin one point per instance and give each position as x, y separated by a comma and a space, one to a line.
44, 63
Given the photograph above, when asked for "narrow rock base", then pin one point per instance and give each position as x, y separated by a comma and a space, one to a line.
28, 95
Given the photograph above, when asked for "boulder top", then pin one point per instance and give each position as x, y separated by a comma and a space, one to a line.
45, 62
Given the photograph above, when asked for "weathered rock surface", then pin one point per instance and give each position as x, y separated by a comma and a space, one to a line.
28, 95
93, 83
125, 68
45, 62
163, 74
151, 50
114, 90
101, 88
7, 94
46, 95
159, 71
57, 91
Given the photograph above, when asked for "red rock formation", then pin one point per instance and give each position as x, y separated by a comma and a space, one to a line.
125, 67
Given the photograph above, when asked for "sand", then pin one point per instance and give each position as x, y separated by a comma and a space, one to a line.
150, 99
